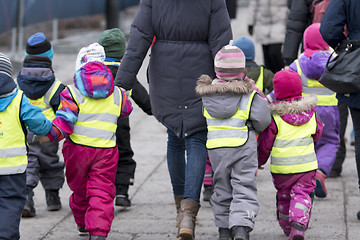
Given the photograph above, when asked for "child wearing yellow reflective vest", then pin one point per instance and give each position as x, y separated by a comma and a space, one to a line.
290, 140
235, 111
310, 66
88, 120
16, 114
38, 82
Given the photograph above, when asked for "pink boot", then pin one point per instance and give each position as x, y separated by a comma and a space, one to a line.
296, 234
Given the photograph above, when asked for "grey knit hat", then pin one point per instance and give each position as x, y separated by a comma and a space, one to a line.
5, 65
114, 43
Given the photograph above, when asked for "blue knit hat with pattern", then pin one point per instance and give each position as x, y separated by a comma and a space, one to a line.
38, 45
247, 46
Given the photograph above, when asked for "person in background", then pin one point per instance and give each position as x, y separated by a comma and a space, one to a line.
261, 75
299, 18
267, 21
310, 66
38, 82
290, 141
184, 48
234, 112
114, 43
339, 14
88, 121
16, 114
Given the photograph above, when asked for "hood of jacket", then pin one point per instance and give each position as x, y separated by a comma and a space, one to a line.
36, 77
313, 67
221, 99
296, 112
94, 80
8, 91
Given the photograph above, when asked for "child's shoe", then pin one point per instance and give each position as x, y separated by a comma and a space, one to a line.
29, 209
96, 238
297, 231
82, 232
208, 191
225, 234
122, 201
53, 200
241, 232
320, 190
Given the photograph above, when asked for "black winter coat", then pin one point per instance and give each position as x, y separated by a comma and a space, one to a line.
338, 14
188, 35
299, 18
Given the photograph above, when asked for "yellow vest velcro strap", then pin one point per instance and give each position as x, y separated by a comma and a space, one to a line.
293, 160
279, 143
95, 133
117, 98
230, 122
104, 117
260, 81
12, 152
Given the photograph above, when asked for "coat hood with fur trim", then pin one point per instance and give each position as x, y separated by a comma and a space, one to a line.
296, 112
222, 99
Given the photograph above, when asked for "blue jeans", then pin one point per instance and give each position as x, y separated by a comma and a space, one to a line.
187, 175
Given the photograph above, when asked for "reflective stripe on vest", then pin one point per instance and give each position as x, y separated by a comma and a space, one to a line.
293, 150
325, 96
44, 102
230, 132
97, 120
13, 154
260, 81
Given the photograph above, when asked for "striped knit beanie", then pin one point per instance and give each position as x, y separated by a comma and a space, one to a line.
230, 63
38, 45
5, 65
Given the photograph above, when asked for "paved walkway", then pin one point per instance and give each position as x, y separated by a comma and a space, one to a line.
152, 215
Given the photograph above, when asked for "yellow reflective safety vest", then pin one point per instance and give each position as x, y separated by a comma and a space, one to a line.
13, 153
293, 150
97, 120
229, 132
260, 81
325, 96
44, 102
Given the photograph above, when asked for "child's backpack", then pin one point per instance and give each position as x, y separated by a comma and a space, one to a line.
318, 9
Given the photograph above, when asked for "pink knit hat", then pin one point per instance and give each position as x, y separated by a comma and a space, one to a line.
287, 85
230, 63
313, 40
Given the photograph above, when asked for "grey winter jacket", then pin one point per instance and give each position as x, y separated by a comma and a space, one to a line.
188, 35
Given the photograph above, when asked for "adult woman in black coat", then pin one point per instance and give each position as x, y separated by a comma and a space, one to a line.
338, 14
188, 35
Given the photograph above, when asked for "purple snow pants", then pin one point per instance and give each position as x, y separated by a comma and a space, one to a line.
208, 177
293, 198
329, 142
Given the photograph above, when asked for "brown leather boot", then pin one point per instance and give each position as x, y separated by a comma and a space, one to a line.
178, 207
189, 211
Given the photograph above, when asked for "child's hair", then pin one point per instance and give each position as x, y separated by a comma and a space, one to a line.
38, 45
287, 85
313, 40
247, 46
114, 43
229, 63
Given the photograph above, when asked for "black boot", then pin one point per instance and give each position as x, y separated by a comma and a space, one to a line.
208, 191
241, 232
122, 197
225, 234
29, 209
53, 200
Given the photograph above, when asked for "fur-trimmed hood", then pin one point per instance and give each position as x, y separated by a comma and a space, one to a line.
297, 112
222, 99
207, 86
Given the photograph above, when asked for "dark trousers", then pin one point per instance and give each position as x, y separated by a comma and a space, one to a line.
12, 202
341, 153
273, 57
126, 165
355, 115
